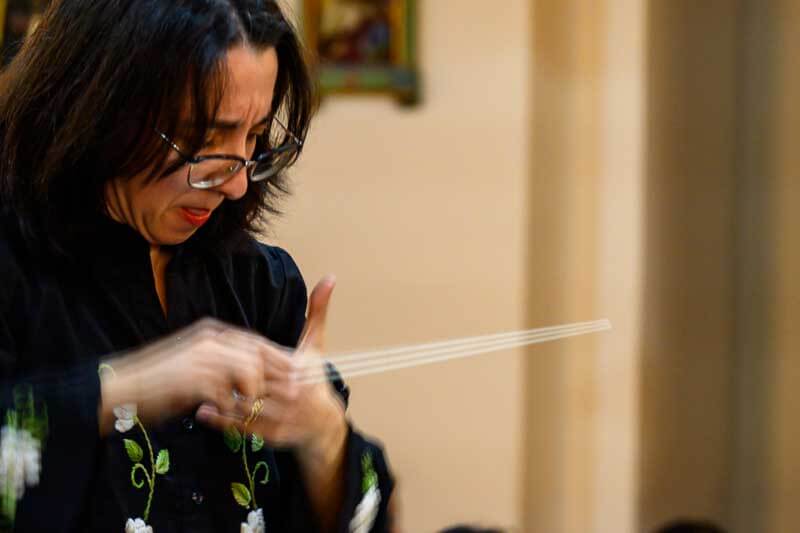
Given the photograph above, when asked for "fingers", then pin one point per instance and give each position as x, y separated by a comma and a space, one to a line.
278, 363
248, 364
282, 391
211, 416
270, 414
213, 361
314, 330
224, 401
236, 349
277, 360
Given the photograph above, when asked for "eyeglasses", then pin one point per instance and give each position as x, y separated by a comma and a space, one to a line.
209, 171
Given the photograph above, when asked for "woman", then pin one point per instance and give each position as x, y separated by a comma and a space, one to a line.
140, 143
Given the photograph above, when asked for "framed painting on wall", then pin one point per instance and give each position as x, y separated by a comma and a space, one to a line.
364, 46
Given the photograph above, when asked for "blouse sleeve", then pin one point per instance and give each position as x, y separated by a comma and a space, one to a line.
368, 483
49, 434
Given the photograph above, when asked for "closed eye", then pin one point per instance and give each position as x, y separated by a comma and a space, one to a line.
210, 141
257, 133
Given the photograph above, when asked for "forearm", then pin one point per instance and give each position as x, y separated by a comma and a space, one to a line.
113, 393
322, 467
119, 385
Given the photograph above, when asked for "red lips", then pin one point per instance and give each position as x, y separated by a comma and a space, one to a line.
194, 216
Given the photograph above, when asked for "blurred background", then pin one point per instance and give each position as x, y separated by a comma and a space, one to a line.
569, 161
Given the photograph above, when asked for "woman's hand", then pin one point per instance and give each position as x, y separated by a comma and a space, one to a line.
203, 363
305, 416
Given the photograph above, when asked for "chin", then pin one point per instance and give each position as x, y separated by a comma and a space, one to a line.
172, 238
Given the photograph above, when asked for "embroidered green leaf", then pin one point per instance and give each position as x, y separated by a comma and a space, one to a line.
232, 439
370, 480
257, 442
366, 462
266, 471
369, 477
8, 504
240, 494
134, 450
162, 462
28, 414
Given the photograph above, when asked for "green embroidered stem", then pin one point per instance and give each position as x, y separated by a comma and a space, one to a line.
106, 366
244, 494
151, 479
247, 470
158, 465
133, 475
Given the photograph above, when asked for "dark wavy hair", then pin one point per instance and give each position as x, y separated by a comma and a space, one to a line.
80, 102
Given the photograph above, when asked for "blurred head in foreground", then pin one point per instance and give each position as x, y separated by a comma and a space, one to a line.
690, 526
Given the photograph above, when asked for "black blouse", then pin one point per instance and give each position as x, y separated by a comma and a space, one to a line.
60, 319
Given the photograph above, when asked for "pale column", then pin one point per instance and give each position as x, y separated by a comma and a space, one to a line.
621, 254
569, 51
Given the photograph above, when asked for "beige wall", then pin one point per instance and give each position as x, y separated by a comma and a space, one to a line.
422, 215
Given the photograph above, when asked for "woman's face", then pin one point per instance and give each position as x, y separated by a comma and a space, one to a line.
168, 211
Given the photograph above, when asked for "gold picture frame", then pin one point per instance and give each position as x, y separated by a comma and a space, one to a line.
18, 19
364, 46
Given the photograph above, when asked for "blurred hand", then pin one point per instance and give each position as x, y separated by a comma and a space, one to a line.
306, 416
206, 362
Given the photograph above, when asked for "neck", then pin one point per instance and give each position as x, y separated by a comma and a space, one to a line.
159, 258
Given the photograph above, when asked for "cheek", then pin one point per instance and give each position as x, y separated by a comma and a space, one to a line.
157, 197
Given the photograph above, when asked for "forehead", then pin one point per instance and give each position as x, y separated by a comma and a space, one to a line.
249, 84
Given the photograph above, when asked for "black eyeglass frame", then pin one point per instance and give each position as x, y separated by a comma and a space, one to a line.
294, 143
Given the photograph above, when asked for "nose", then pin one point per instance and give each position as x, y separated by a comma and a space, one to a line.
236, 186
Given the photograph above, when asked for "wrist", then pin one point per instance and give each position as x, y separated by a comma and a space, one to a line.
116, 389
322, 464
326, 446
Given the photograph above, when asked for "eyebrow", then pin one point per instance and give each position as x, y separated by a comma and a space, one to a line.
236, 124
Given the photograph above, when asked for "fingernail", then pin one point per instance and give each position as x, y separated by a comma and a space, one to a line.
329, 279
204, 412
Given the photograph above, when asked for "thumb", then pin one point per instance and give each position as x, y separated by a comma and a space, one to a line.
314, 331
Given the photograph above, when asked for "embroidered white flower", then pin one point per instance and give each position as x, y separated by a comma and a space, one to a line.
125, 417
255, 522
366, 511
137, 525
20, 460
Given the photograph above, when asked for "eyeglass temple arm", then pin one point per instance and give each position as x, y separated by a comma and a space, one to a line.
187, 158
294, 137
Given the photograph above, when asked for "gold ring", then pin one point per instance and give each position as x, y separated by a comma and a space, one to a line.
258, 406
